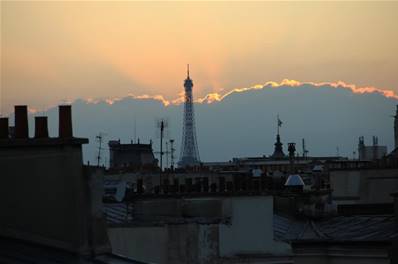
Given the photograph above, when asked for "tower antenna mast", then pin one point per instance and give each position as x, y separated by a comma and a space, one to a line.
172, 150
162, 125
305, 151
167, 154
135, 130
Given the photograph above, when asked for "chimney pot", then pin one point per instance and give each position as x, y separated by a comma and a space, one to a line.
65, 121
3, 128
21, 122
41, 127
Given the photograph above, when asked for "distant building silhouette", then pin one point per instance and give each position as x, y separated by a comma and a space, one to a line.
51, 203
131, 157
373, 152
278, 151
189, 148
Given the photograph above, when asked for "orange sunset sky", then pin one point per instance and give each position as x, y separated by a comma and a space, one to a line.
60, 51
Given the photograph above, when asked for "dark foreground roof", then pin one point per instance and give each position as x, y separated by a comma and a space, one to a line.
20, 252
360, 228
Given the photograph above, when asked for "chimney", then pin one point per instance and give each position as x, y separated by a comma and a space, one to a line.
41, 127
65, 121
396, 128
3, 128
21, 121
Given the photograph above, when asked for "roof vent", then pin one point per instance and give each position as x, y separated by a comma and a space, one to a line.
294, 180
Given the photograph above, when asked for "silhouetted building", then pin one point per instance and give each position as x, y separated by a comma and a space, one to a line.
51, 203
373, 152
132, 157
322, 210
278, 151
199, 230
189, 147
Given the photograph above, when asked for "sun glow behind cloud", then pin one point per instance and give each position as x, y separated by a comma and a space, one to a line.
218, 97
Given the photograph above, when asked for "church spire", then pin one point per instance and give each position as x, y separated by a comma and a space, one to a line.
188, 71
278, 151
279, 124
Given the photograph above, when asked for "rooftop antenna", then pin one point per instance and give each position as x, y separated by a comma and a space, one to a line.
99, 139
161, 124
305, 151
135, 129
188, 70
291, 149
375, 141
172, 150
169, 151
167, 154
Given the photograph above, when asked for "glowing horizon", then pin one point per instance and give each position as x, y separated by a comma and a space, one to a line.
218, 97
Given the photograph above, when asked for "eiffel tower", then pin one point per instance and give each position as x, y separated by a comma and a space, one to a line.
189, 156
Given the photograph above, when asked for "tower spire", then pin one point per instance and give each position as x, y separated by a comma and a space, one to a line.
277, 117
279, 124
278, 151
189, 147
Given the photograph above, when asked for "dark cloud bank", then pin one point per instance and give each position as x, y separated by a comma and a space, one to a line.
244, 124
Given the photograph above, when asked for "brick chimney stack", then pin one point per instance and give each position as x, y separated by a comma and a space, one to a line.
65, 121
4, 128
41, 127
396, 128
21, 122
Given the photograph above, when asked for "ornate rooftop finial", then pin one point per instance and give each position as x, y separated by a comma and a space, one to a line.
279, 124
278, 151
